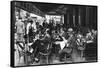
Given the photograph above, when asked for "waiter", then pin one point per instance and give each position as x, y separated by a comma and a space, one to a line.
20, 28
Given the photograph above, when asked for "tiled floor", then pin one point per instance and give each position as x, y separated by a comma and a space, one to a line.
55, 60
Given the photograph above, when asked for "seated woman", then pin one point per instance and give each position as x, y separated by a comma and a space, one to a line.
69, 45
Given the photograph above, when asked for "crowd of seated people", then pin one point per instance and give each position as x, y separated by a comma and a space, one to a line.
49, 41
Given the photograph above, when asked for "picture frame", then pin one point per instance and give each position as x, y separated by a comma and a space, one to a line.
52, 33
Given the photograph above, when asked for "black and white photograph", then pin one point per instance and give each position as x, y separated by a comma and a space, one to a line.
53, 33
